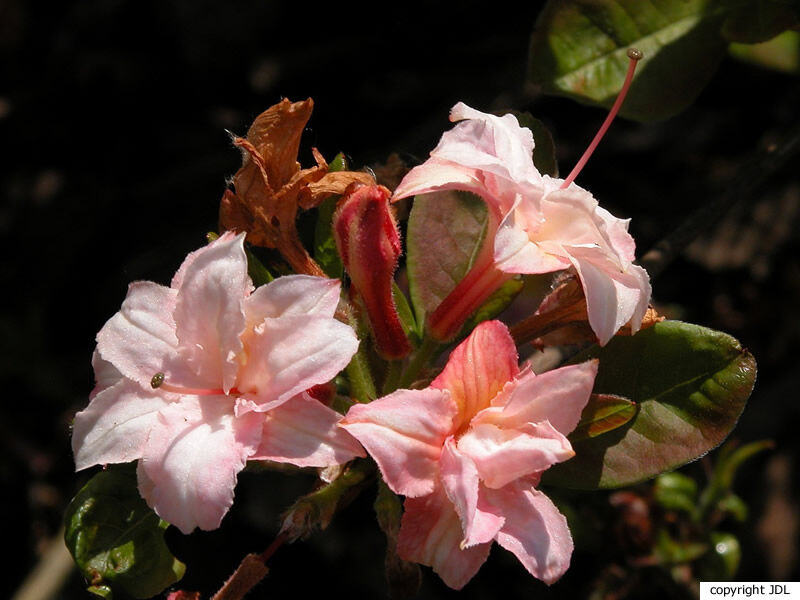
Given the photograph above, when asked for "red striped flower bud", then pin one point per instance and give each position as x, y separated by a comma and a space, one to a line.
369, 243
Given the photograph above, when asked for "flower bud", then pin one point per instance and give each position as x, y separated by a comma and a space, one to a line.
369, 243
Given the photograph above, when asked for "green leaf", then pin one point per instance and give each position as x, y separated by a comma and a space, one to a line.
325, 252
691, 385
673, 552
495, 304
728, 462
406, 315
757, 21
676, 491
116, 540
445, 233
578, 49
722, 562
602, 413
781, 53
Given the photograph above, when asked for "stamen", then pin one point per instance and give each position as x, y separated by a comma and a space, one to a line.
158, 382
635, 56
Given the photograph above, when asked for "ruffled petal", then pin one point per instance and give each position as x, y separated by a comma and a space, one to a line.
515, 252
479, 368
431, 534
502, 456
436, 176
140, 340
191, 461
613, 297
105, 374
288, 355
305, 432
558, 396
534, 531
293, 295
115, 427
460, 480
492, 143
209, 317
404, 433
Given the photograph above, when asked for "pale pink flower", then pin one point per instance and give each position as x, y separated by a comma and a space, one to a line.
536, 225
195, 379
467, 452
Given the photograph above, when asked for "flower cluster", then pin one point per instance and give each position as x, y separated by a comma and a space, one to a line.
196, 379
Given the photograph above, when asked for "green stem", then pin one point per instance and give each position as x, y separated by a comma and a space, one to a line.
424, 356
394, 369
316, 510
362, 386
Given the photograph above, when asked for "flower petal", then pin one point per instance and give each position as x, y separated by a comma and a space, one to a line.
430, 534
435, 176
304, 432
404, 433
114, 428
534, 531
190, 463
613, 297
459, 477
288, 355
293, 295
504, 455
209, 317
558, 396
140, 340
105, 374
479, 368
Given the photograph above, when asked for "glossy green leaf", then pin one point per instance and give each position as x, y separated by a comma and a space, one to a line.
603, 413
116, 540
445, 232
578, 49
781, 53
690, 384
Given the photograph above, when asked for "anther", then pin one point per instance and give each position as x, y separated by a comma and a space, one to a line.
157, 380
635, 56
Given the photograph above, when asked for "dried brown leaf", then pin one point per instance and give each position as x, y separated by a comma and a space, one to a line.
271, 186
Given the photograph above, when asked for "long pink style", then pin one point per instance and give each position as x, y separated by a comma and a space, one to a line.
635, 56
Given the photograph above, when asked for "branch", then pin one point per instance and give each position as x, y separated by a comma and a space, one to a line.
764, 164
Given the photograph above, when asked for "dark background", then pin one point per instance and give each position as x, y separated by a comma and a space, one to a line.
114, 117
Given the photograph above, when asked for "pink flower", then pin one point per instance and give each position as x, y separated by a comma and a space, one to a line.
536, 225
468, 452
197, 378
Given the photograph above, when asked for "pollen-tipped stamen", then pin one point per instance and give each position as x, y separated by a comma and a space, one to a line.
159, 382
635, 56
